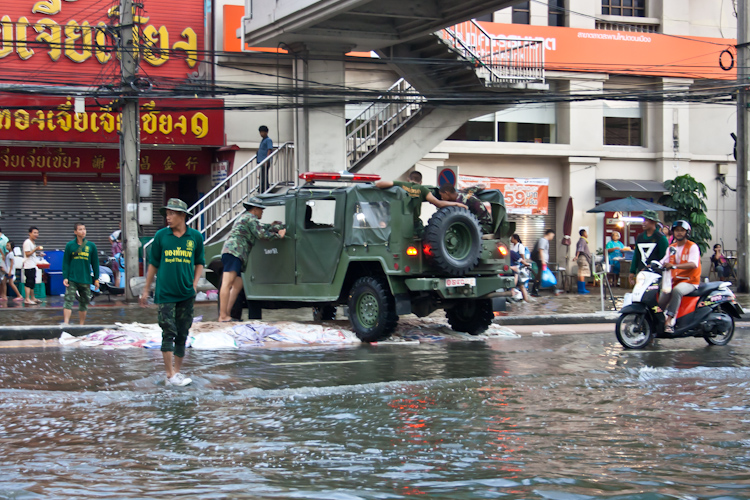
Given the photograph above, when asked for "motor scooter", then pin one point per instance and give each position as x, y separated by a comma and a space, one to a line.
708, 312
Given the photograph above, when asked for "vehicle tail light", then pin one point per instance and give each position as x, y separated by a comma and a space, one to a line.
427, 250
502, 249
407, 269
506, 267
411, 251
395, 266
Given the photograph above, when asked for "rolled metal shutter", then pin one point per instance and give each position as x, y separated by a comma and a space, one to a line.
531, 227
56, 207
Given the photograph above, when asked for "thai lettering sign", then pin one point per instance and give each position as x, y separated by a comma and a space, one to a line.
71, 41
522, 196
165, 121
30, 160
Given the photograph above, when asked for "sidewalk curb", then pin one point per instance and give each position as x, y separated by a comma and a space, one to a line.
559, 319
47, 332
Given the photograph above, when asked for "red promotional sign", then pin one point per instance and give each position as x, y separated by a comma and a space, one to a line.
71, 41
197, 122
609, 51
27, 160
522, 196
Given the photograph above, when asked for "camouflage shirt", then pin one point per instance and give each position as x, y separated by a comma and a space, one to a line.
476, 207
246, 231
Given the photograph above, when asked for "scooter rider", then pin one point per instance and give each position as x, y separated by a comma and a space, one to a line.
684, 259
650, 245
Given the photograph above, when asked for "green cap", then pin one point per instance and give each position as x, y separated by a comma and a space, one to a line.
651, 215
176, 205
254, 202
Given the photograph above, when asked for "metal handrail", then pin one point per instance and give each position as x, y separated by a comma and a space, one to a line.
506, 60
223, 203
380, 120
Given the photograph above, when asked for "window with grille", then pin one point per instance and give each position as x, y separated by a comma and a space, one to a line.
556, 13
634, 8
521, 13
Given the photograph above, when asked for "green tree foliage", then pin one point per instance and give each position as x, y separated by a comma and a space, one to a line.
687, 196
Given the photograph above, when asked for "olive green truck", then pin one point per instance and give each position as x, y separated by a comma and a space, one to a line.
350, 243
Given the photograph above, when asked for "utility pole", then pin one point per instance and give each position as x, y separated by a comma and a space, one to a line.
130, 140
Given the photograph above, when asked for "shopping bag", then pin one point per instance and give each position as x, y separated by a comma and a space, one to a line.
666, 281
548, 278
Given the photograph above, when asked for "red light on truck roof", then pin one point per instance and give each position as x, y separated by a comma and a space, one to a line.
338, 176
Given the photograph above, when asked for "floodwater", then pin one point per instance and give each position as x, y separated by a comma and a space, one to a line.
563, 417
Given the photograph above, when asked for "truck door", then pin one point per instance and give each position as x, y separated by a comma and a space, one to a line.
319, 238
271, 261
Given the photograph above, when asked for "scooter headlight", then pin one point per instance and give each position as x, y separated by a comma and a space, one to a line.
640, 279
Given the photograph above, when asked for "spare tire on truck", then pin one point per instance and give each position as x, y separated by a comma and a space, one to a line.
453, 240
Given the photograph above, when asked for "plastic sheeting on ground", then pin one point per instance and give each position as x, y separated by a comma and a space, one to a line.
214, 335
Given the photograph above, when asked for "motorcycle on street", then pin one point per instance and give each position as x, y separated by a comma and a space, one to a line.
708, 312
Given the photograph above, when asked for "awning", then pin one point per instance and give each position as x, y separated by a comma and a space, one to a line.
632, 186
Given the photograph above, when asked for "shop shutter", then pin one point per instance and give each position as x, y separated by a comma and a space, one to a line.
54, 209
532, 227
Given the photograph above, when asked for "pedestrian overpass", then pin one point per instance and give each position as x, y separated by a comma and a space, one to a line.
433, 45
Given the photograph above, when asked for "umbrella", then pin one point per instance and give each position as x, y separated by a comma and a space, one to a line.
629, 204
568, 223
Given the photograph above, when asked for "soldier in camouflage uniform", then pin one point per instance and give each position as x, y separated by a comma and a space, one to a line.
468, 197
177, 256
247, 230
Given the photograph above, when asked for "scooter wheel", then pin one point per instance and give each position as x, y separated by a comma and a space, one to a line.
634, 331
723, 337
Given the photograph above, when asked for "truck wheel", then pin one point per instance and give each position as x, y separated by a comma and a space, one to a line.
454, 239
324, 313
372, 309
471, 316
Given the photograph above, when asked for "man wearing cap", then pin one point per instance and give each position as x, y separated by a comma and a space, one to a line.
177, 261
649, 245
246, 231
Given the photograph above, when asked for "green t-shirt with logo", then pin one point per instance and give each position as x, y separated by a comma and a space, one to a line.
79, 261
417, 195
175, 259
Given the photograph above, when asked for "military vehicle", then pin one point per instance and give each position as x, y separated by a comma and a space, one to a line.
351, 243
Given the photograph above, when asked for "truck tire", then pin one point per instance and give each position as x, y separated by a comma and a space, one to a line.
372, 309
471, 316
324, 313
454, 239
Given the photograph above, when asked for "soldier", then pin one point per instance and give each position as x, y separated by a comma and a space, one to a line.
417, 194
468, 197
79, 259
236, 251
177, 261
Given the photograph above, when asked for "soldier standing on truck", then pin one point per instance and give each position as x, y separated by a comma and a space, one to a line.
247, 230
468, 197
417, 194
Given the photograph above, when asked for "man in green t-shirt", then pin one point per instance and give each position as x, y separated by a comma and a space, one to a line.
79, 259
177, 262
649, 245
417, 195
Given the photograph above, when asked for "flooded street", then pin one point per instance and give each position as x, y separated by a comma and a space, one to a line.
568, 416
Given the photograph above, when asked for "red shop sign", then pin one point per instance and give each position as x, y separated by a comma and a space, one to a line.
80, 160
66, 41
198, 122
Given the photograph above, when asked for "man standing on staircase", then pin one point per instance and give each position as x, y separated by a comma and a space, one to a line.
265, 148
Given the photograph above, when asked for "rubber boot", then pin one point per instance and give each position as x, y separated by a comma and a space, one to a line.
582, 288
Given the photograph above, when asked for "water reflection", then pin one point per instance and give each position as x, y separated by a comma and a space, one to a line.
553, 417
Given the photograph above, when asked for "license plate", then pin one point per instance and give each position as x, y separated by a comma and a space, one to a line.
450, 282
